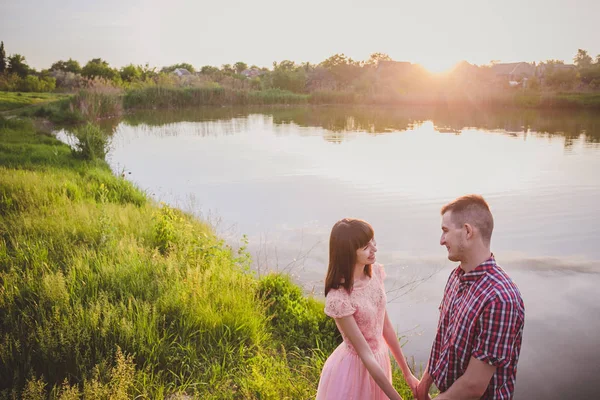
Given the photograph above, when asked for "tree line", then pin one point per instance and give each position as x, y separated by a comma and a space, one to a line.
378, 74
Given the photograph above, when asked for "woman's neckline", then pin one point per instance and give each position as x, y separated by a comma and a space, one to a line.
368, 281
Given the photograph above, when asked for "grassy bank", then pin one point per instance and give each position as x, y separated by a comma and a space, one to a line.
106, 295
11, 100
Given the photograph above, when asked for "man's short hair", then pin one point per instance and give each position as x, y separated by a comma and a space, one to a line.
474, 210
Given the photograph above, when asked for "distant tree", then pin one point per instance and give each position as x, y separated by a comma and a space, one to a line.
590, 74
98, 68
130, 73
582, 59
288, 75
336, 60
553, 62
589, 69
226, 68
307, 66
561, 78
67, 66
376, 58
344, 69
209, 70
285, 65
17, 65
240, 66
2, 58
147, 72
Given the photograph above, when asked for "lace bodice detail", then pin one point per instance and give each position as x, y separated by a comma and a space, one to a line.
367, 305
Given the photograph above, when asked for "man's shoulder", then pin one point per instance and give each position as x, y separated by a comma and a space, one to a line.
502, 287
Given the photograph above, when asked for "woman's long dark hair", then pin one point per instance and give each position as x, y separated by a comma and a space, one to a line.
347, 236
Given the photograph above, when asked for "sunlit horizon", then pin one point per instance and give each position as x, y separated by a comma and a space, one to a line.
436, 35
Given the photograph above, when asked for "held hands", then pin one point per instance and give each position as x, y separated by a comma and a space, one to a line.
413, 383
421, 392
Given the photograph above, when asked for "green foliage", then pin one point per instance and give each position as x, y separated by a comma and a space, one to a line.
343, 69
34, 390
67, 66
17, 65
130, 73
209, 70
240, 66
29, 83
35, 84
300, 321
116, 383
590, 73
165, 234
98, 68
137, 73
560, 78
92, 143
288, 76
376, 58
582, 59
227, 69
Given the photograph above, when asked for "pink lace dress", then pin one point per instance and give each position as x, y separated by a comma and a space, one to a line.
344, 375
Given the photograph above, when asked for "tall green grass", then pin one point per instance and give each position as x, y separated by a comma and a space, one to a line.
170, 97
106, 295
86, 105
571, 100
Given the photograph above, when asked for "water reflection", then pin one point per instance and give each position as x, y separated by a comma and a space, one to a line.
336, 121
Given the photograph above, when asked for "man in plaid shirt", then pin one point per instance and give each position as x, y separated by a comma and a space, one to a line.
476, 349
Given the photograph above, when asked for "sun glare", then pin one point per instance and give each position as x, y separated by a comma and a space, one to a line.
438, 66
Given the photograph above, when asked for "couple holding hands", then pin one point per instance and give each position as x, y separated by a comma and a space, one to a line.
478, 340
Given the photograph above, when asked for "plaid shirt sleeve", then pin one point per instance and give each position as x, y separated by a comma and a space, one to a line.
499, 327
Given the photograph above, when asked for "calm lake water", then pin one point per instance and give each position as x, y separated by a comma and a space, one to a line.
284, 176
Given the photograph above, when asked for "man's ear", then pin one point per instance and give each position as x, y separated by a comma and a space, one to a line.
469, 229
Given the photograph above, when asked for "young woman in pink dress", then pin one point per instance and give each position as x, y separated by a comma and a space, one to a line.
360, 367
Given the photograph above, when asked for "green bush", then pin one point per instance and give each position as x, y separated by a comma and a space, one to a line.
29, 83
92, 142
299, 322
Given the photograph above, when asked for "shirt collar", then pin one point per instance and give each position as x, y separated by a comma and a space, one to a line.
482, 269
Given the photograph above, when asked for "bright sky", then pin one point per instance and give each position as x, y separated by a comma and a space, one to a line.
436, 34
